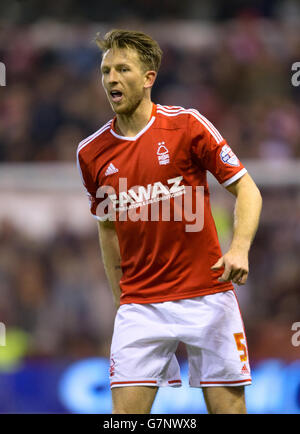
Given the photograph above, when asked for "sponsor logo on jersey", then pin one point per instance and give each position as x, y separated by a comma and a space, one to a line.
140, 196
228, 156
111, 170
131, 204
163, 154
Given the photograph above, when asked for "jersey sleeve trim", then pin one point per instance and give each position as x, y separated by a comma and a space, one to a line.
85, 142
80, 161
88, 139
234, 177
167, 111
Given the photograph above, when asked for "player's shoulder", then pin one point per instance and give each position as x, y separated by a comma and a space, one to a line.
178, 114
191, 117
97, 135
176, 111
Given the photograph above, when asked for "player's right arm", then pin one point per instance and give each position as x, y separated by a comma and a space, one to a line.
111, 257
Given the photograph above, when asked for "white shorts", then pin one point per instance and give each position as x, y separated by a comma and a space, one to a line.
146, 336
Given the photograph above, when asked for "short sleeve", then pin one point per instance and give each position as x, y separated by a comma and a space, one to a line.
211, 151
89, 184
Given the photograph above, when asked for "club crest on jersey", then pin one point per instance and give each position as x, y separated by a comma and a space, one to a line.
163, 154
229, 157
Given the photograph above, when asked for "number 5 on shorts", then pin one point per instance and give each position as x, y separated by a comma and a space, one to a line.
240, 346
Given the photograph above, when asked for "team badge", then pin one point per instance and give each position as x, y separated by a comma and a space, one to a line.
163, 154
229, 157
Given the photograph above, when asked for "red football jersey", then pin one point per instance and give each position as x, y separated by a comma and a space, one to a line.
154, 187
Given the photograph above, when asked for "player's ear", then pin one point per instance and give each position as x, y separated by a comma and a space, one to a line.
150, 77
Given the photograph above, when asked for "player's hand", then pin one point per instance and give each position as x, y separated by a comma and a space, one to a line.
236, 267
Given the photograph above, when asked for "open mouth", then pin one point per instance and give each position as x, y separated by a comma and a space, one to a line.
116, 95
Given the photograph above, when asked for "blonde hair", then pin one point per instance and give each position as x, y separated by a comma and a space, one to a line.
147, 48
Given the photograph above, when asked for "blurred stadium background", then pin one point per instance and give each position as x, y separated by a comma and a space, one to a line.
231, 61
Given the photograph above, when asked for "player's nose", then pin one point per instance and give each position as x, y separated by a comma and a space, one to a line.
113, 76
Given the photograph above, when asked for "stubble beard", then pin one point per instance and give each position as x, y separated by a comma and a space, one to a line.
130, 105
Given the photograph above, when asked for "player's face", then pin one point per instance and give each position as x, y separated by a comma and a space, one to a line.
123, 79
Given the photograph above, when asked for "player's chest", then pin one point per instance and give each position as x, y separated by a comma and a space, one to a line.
158, 157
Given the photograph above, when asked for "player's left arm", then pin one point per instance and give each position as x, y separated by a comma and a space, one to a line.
246, 218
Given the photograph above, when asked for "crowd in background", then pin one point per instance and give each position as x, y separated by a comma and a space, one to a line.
239, 78
54, 291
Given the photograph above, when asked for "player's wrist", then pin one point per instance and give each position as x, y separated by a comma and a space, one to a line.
241, 246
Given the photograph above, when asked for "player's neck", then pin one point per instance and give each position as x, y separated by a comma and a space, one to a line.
130, 126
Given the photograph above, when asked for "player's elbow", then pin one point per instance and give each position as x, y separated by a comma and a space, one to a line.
106, 225
255, 199
258, 197
248, 188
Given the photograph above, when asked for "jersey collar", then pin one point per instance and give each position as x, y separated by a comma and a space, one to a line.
151, 120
